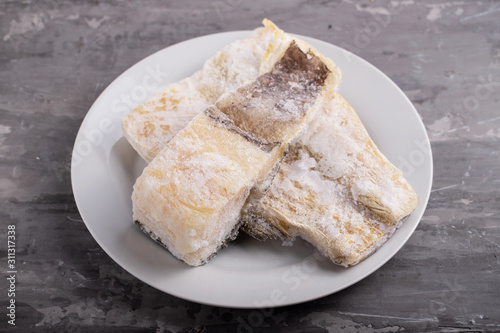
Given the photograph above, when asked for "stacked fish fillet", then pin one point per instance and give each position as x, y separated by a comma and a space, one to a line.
260, 139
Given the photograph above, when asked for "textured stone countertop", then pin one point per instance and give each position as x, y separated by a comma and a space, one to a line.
57, 56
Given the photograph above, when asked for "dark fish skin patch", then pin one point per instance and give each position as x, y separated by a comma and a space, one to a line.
267, 111
220, 119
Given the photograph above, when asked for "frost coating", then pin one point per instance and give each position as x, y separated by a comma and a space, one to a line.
151, 125
189, 198
335, 190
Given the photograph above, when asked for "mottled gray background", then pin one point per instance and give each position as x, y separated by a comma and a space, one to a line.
57, 56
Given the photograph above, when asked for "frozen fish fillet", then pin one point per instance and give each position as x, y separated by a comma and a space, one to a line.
152, 124
334, 189
189, 198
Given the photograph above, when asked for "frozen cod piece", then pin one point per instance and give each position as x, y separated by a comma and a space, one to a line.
189, 198
334, 189
152, 124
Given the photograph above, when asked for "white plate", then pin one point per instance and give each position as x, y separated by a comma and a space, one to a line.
248, 273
